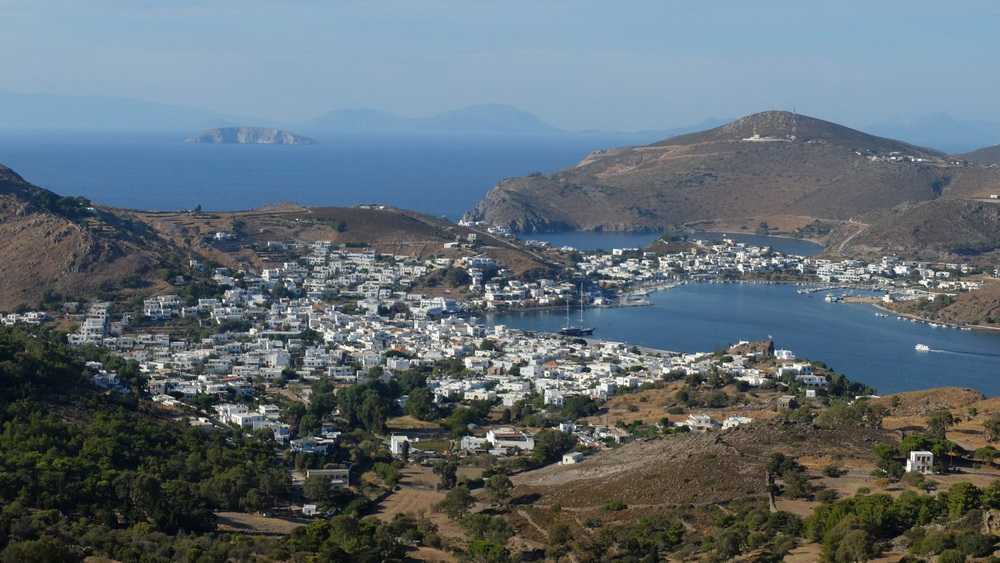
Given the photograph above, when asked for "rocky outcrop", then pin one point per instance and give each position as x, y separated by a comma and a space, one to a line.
250, 136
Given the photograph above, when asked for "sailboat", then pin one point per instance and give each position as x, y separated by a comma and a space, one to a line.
570, 330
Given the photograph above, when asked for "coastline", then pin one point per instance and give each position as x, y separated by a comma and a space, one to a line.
982, 328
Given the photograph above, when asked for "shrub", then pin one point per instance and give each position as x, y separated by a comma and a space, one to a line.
614, 506
833, 470
827, 495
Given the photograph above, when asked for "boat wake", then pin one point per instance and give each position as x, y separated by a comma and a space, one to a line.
963, 353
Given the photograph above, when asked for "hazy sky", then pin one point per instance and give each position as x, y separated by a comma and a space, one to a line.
610, 64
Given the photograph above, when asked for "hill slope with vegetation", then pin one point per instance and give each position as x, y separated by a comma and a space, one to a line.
65, 246
87, 472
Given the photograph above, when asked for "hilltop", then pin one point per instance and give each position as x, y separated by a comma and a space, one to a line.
250, 136
770, 163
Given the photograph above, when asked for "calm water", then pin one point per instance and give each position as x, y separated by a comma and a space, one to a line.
436, 175
848, 337
583, 240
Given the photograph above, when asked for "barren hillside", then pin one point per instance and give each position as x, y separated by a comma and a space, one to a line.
765, 164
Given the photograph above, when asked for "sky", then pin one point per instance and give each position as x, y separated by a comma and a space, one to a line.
578, 64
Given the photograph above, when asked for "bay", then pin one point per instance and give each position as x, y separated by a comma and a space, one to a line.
848, 337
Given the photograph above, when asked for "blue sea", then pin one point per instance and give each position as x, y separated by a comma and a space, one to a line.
439, 175
879, 351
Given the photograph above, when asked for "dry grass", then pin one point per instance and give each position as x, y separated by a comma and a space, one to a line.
245, 522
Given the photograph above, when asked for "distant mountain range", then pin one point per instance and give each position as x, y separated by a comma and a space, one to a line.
49, 112
485, 118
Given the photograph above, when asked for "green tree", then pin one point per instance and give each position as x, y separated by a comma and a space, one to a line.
855, 546
500, 488
448, 472
482, 551
43, 550
938, 423
961, 498
560, 537
992, 426
420, 404
456, 503
550, 445
316, 488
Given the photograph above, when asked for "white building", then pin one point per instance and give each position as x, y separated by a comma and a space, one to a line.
396, 442
920, 462
507, 437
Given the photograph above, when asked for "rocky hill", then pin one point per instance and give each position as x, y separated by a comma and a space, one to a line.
984, 156
946, 229
250, 136
64, 246
763, 164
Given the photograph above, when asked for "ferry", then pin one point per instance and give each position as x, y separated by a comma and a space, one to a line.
922, 348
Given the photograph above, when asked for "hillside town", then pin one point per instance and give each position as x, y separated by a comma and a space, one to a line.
352, 316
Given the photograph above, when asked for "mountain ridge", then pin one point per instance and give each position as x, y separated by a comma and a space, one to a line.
765, 163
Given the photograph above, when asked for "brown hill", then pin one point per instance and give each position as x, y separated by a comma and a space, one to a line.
985, 156
979, 308
764, 164
65, 246
939, 230
388, 230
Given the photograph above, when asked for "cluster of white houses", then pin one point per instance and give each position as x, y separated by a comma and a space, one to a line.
289, 328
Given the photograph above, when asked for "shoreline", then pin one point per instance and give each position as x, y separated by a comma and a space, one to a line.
524, 236
981, 328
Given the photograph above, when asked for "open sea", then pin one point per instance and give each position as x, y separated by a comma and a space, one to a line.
438, 175
446, 176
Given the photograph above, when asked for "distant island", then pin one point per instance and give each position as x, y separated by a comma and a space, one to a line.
250, 136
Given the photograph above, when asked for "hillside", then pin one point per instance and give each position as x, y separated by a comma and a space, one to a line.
951, 230
250, 136
66, 247
977, 308
387, 230
763, 164
63, 245
984, 156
